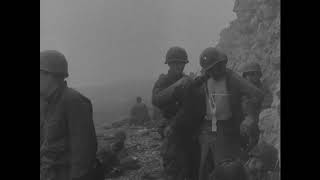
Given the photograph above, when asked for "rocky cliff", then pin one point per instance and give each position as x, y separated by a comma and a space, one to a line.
255, 36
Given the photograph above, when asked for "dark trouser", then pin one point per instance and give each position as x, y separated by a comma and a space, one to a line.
227, 144
207, 140
179, 159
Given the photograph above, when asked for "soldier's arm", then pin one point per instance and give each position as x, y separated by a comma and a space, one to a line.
156, 93
249, 90
82, 135
162, 96
199, 81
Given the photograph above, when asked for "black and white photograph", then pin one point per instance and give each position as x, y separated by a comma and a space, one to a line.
160, 90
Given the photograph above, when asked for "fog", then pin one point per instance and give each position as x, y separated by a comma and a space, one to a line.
113, 40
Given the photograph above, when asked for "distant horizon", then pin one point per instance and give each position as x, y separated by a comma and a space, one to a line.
109, 41
153, 79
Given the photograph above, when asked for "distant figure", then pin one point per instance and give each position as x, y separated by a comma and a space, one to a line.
139, 113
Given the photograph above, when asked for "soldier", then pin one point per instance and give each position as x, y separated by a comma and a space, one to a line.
68, 141
139, 113
173, 156
223, 92
252, 72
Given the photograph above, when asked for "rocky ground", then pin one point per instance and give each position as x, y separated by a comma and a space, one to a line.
142, 143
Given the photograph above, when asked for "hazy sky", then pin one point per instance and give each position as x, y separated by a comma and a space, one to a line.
110, 40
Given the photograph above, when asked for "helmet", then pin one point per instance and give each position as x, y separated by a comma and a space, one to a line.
210, 57
251, 67
176, 54
267, 153
230, 170
54, 62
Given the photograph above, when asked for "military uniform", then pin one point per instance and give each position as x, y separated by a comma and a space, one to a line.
225, 92
251, 112
170, 152
226, 140
174, 154
68, 141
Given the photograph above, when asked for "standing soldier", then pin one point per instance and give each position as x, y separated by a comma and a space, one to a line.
223, 90
173, 156
252, 72
68, 141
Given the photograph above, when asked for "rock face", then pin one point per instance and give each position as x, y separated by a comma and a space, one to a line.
269, 122
255, 36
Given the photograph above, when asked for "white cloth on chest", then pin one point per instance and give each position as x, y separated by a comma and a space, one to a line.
218, 107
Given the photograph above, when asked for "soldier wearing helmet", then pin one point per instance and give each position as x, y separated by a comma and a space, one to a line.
68, 142
164, 98
222, 93
252, 72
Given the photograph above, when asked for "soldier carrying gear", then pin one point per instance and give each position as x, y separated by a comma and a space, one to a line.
68, 141
222, 94
173, 156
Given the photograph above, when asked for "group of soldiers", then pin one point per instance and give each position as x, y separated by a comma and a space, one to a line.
224, 116
210, 121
